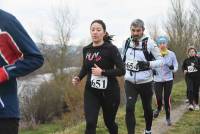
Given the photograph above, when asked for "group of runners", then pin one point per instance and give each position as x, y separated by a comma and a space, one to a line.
148, 67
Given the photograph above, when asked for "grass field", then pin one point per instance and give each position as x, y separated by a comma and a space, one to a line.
43, 129
188, 124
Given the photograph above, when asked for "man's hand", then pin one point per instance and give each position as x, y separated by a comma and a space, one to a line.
143, 65
96, 70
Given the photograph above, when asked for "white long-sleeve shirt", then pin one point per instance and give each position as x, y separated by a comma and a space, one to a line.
164, 73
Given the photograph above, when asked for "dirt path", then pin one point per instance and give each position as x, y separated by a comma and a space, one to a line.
159, 125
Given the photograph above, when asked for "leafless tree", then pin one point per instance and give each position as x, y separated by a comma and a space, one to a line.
154, 31
58, 95
64, 23
196, 15
179, 28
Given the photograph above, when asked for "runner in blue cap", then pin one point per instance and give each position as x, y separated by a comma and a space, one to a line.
164, 78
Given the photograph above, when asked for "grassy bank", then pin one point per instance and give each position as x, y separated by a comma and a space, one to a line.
188, 124
43, 129
178, 95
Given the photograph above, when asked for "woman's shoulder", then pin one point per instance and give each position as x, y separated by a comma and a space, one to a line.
106, 45
87, 46
171, 53
110, 45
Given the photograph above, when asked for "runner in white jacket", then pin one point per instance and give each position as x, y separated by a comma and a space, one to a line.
137, 52
139, 77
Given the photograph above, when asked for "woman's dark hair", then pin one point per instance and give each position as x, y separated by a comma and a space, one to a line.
107, 37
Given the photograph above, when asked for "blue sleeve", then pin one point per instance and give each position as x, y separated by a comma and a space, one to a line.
31, 56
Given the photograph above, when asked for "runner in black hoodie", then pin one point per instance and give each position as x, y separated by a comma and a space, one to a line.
191, 68
101, 63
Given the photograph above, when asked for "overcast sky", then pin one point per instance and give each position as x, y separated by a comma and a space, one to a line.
117, 14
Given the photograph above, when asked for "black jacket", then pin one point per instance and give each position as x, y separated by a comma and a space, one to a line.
107, 57
188, 62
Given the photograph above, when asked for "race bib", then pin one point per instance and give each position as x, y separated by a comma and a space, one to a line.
99, 82
132, 65
191, 69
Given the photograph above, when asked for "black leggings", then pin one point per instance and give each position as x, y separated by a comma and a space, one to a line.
187, 90
145, 92
193, 88
167, 87
109, 101
9, 126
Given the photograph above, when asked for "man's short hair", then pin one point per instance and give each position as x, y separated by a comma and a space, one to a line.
137, 23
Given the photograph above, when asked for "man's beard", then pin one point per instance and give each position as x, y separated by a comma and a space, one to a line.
136, 38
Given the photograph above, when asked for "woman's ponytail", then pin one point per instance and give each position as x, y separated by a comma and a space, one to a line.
108, 38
